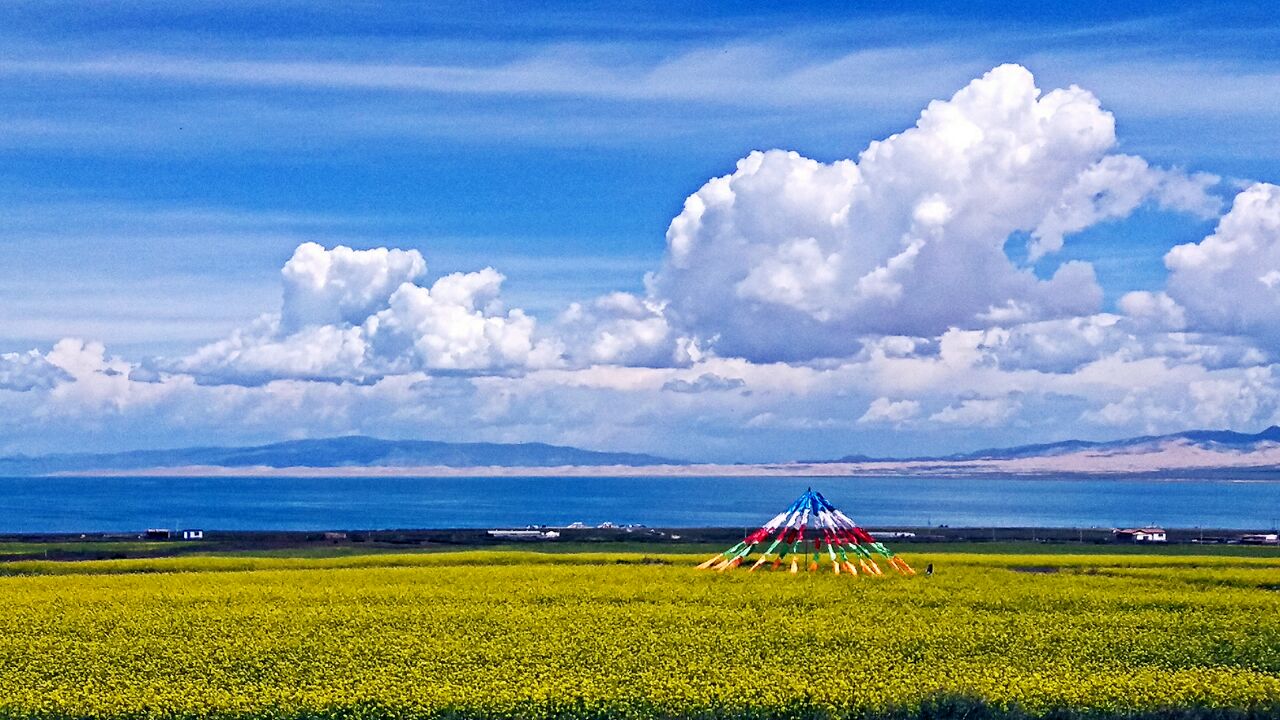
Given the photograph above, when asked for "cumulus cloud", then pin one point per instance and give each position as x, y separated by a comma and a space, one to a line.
1230, 281
342, 285
620, 329
1114, 187
457, 324
1154, 310
28, 371
706, 382
99, 386
1053, 346
357, 315
902, 397
1214, 399
264, 351
791, 258
884, 410
976, 411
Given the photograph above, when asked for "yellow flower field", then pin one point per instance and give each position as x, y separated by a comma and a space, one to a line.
626, 636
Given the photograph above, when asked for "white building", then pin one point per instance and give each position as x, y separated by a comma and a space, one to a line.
524, 534
1141, 535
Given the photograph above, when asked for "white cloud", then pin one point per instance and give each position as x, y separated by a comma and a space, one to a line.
1156, 310
458, 324
100, 387
874, 403
791, 258
1114, 187
1175, 400
717, 73
263, 352
29, 371
1227, 282
357, 315
706, 382
1062, 345
986, 412
328, 287
884, 410
620, 328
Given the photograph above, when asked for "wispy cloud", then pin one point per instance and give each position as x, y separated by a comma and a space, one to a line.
561, 91
735, 74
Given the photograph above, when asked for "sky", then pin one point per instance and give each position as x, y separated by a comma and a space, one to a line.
731, 232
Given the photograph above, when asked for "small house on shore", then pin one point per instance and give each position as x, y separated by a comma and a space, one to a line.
524, 534
1140, 535
167, 534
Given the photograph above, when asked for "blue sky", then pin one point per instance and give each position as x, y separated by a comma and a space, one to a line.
160, 163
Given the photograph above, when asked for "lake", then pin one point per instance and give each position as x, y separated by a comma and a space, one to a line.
124, 504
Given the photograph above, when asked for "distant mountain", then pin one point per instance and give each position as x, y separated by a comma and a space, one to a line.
1210, 441
350, 451
1213, 440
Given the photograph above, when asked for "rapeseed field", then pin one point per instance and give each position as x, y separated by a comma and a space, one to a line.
526, 635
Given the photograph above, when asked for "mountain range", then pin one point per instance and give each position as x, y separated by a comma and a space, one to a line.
339, 452
1193, 451
1211, 440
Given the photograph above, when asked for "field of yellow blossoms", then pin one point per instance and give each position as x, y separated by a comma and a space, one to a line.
527, 635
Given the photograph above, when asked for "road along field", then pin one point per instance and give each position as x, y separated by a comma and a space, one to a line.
529, 635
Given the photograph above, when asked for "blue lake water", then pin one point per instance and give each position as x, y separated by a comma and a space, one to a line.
123, 504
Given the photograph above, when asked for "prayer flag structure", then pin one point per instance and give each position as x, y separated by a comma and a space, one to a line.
799, 536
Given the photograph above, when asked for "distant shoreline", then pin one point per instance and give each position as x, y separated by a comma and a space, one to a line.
430, 471
1027, 468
